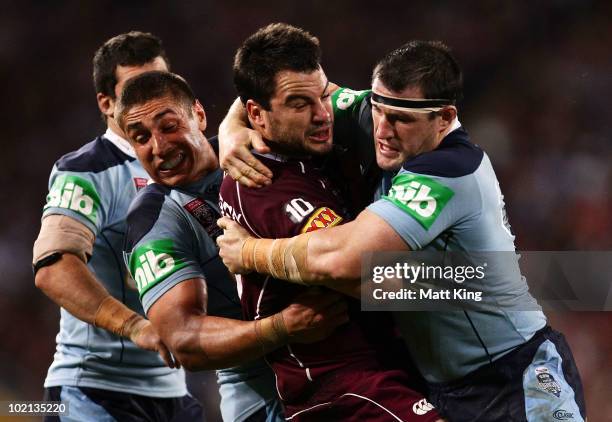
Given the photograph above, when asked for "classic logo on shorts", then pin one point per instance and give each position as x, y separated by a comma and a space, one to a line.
546, 381
421, 197
422, 407
76, 194
153, 262
320, 219
563, 415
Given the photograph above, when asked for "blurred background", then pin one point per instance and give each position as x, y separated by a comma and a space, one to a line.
538, 81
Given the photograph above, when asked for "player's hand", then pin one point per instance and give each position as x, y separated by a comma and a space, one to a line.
145, 336
231, 243
314, 315
236, 158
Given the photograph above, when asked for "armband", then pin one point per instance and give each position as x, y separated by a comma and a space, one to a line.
62, 234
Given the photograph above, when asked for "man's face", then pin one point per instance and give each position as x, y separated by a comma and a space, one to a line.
168, 140
300, 117
401, 135
122, 73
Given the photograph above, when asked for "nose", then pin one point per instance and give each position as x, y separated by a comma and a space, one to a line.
321, 114
160, 145
384, 129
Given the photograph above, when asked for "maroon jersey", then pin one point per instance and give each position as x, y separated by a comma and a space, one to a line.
309, 376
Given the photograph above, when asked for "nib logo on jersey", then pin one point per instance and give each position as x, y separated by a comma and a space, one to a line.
421, 197
76, 194
153, 262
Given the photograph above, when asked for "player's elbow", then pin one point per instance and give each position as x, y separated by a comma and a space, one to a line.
44, 279
185, 347
333, 266
182, 344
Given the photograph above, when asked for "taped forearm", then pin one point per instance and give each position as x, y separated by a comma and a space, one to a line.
117, 318
282, 258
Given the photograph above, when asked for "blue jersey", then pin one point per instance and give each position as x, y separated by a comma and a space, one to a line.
449, 199
469, 216
95, 186
171, 238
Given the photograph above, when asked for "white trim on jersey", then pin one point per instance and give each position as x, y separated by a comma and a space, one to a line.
306, 410
119, 142
243, 213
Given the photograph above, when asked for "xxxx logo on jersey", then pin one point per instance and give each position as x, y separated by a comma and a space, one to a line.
421, 197
153, 262
76, 194
320, 219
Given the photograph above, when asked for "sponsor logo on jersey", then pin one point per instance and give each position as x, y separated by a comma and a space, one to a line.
153, 262
320, 219
546, 381
140, 182
420, 196
563, 415
346, 97
76, 194
422, 407
206, 215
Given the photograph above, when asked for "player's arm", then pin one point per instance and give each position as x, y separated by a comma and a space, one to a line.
330, 257
235, 142
236, 139
69, 283
200, 341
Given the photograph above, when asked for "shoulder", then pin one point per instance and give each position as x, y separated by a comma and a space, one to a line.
455, 157
144, 213
95, 156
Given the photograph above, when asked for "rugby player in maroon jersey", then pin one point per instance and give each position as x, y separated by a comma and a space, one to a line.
352, 375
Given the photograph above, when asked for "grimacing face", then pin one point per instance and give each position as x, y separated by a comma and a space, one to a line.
401, 135
168, 140
300, 119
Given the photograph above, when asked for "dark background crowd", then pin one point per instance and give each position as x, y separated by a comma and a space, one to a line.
538, 82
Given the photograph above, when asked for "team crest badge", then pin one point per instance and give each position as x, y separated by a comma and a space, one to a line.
206, 215
546, 381
140, 182
320, 219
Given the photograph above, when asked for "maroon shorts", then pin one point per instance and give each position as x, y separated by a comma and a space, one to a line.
378, 396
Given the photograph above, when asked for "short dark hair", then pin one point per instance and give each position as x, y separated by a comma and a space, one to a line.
152, 85
270, 50
134, 48
425, 64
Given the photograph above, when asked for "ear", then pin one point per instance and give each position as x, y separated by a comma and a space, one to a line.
447, 114
106, 104
200, 114
256, 113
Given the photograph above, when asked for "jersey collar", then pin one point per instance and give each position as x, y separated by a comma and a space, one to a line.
119, 142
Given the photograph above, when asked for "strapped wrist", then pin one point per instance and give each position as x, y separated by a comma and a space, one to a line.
115, 317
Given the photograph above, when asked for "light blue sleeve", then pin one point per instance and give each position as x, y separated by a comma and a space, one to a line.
165, 256
80, 195
421, 208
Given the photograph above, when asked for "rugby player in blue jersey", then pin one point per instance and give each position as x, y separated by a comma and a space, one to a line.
185, 290
107, 365
494, 365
